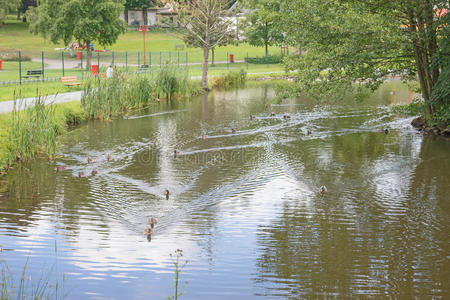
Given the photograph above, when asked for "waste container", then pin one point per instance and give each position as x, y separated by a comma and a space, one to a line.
231, 58
78, 55
1, 64
94, 69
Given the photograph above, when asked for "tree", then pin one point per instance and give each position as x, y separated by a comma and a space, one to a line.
86, 21
352, 41
144, 5
7, 6
262, 23
208, 25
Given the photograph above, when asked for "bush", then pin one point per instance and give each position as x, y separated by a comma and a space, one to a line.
415, 108
14, 57
231, 79
273, 59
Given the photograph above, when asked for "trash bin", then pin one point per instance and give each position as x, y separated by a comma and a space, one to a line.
1, 64
231, 58
78, 55
94, 69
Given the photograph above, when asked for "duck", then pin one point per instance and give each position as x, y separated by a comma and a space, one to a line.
175, 152
204, 136
386, 131
392, 92
323, 190
166, 193
60, 168
80, 174
286, 117
148, 231
89, 160
252, 117
272, 114
233, 130
108, 157
152, 222
308, 132
94, 172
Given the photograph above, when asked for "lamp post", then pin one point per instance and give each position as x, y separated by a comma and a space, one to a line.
144, 28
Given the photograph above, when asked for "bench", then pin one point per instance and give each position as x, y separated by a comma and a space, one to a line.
70, 81
179, 47
33, 73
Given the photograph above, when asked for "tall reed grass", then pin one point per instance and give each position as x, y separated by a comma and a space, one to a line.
109, 98
231, 79
32, 132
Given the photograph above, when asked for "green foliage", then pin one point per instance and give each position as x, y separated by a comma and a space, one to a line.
142, 3
14, 57
271, 59
86, 21
350, 44
231, 79
261, 28
178, 265
7, 6
415, 108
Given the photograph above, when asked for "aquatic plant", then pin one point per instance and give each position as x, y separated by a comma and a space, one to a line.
178, 267
32, 132
230, 79
416, 107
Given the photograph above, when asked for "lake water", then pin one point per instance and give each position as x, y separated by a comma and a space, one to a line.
244, 207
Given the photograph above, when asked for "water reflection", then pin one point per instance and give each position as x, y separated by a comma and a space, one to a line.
244, 207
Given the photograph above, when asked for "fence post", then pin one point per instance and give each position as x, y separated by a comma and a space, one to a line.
160, 59
98, 61
178, 59
112, 58
81, 66
247, 60
186, 59
126, 61
170, 57
228, 65
150, 59
139, 59
42, 66
62, 61
20, 67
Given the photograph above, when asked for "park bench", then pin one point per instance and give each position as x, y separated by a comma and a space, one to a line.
33, 73
179, 47
70, 81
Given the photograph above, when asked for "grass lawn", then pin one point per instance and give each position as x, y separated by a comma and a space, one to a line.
14, 36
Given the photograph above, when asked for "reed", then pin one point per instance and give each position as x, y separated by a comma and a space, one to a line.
231, 79
32, 132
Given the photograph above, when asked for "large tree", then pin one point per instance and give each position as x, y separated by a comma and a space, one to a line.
262, 23
354, 43
86, 21
208, 24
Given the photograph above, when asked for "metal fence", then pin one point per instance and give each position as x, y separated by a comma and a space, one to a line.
21, 67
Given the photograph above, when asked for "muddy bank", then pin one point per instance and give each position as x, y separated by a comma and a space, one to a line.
422, 126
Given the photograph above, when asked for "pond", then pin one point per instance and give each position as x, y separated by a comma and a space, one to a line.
244, 206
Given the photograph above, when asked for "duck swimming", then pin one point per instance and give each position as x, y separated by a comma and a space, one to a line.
175, 152
252, 117
323, 190
80, 174
166, 192
286, 117
233, 130
60, 168
89, 160
94, 172
152, 222
108, 157
308, 132
272, 114
148, 231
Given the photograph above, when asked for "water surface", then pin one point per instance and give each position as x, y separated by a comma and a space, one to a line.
244, 207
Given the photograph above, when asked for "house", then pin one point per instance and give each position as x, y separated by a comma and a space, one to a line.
157, 16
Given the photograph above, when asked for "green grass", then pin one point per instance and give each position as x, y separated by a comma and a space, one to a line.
14, 36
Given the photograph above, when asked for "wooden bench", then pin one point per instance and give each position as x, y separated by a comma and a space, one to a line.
179, 47
33, 73
70, 81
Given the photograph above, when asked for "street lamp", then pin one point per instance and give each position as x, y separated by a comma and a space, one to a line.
144, 28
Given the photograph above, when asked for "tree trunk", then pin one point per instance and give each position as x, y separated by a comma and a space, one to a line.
145, 15
125, 15
89, 55
205, 68
212, 55
18, 14
266, 44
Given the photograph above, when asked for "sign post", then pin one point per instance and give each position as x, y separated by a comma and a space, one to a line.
144, 28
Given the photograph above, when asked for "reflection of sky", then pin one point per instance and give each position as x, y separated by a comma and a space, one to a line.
221, 214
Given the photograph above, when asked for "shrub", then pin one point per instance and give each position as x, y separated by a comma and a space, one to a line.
272, 59
230, 79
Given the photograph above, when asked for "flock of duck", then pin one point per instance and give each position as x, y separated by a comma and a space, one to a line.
152, 221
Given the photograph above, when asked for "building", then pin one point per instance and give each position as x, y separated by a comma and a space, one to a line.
164, 16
